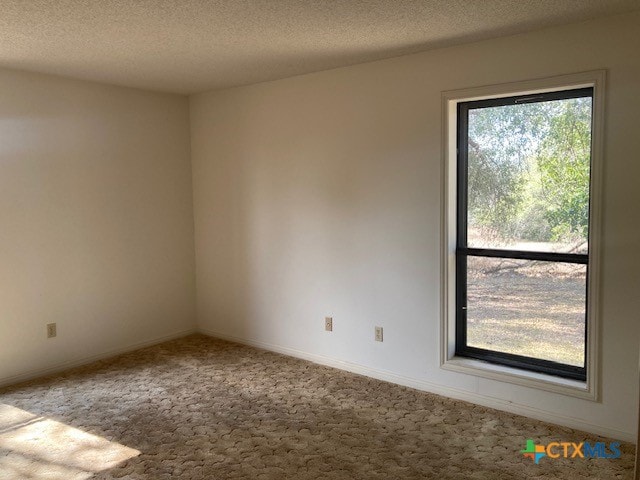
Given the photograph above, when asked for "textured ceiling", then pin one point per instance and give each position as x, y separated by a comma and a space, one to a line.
190, 46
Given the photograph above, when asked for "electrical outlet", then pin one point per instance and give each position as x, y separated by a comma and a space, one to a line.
328, 324
378, 334
51, 330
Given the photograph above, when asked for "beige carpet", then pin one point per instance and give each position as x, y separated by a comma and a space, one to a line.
199, 408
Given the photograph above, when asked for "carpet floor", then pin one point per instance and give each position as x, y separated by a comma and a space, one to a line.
201, 408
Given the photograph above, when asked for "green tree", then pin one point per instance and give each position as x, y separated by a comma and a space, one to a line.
529, 166
501, 142
564, 162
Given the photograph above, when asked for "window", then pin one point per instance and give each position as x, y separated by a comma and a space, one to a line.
521, 243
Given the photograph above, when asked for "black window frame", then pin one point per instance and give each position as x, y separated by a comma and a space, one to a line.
463, 251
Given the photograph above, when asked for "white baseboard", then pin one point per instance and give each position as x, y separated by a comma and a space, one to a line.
384, 375
478, 399
60, 367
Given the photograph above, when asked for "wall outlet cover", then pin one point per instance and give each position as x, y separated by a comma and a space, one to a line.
378, 334
328, 324
51, 330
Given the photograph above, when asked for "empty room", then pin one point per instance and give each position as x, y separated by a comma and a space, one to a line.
295, 239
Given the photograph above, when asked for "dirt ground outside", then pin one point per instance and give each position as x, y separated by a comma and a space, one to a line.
535, 309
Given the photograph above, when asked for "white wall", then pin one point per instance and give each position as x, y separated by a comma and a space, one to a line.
321, 195
96, 225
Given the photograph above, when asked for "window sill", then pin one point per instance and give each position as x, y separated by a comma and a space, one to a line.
520, 377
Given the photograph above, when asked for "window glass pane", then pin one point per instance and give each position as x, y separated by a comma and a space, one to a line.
530, 308
528, 176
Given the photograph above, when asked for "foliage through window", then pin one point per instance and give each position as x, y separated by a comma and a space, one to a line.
523, 230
